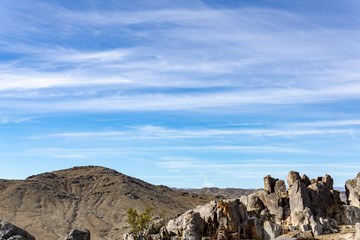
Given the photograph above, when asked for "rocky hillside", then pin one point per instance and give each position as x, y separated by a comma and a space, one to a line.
226, 193
307, 209
50, 204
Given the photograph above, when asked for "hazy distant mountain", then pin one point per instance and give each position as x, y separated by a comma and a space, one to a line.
48, 205
220, 192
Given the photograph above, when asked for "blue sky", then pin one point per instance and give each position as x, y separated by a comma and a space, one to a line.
181, 93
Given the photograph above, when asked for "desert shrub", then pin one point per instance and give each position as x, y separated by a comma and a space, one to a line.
141, 222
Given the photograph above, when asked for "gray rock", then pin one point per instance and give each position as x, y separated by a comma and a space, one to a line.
350, 215
189, 226
204, 221
271, 230
304, 227
130, 236
269, 183
77, 234
299, 200
357, 231
163, 233
296, 235
231, 214
9, 231
316, 228
253, 202
292, 177
273, 203
306, 180
352, 188
280, 189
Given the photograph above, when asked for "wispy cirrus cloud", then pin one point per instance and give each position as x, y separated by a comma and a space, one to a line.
155, 132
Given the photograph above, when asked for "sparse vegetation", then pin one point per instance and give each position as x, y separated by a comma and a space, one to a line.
142, 222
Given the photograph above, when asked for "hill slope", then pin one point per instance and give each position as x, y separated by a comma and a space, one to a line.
230, 193
48, 205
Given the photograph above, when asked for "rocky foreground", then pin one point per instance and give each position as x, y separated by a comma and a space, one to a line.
306, 210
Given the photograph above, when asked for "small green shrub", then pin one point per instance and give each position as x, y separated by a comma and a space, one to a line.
141, 222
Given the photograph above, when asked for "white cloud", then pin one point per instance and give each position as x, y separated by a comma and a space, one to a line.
74, 156
337, 123
155, 132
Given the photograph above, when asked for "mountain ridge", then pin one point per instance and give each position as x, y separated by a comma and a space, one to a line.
50, 204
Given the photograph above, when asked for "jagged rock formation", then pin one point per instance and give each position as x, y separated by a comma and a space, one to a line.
12, 232
96, 198
352, 188
76, 234
308, 208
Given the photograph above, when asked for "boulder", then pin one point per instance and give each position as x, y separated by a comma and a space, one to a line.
12, 232
273, 203
352, 188
190, 226
77, 234
292, 177
255, 203
226, 218
271, 230
255, 228
231, 214
269, 183
350, 215
305, 179
316, 228
326, 202
280, 189
163, 233
299, 200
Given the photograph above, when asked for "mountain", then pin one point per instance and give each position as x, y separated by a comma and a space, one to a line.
48, 205
227, 193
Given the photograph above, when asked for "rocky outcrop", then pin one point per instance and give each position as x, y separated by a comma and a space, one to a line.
223, 218
352, 188
11, 232
292, 177
307, 209
77, 234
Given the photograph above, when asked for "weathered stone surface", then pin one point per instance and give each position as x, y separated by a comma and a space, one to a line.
205, 221
350, 215
305, 179
255, 203
299, 200
269, 183
163, 233
271, 230
292, 177
357, 231
231, 214
352, 188
77, 234
130, 236
296, 235
325, 201
316, 228
255, 228
280, 189
190, 225
12, 232
273, 203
